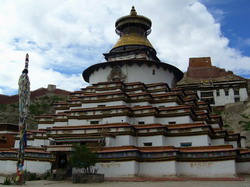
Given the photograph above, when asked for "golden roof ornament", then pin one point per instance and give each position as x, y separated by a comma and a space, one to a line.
133, 30
133, 11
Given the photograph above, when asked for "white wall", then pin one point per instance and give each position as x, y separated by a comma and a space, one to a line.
146, 119
118, 169
156, 140
243, 94
9, 166
122, 140
41, 142
157, 169
61, 123
223, 99
178, 119
139, 103
135, 73
199, 140
44, 126
215, 125
36, 166
77, 122
109, 142
243, 142
59, 111
116, 119
219, 141
207, 169
133, 120
107, 91
29, 143
110, 103
234, 143
165, 104
243, 167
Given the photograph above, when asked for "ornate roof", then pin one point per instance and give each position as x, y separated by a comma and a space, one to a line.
133, 30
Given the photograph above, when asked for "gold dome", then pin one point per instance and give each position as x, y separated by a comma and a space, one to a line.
132, 39
132, 19
133, 30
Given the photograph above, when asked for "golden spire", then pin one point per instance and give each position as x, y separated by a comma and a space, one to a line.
133, 11
133, 30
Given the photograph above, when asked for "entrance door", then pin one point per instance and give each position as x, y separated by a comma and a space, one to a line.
61, 160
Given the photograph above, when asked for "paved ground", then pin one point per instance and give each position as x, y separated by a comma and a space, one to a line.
184, 183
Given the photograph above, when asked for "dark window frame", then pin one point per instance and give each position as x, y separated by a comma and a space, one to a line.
94, 122
148, 144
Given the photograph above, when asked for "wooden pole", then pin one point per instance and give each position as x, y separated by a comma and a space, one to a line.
24, 101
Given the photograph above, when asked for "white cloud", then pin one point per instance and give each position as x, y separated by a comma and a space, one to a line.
64, 37
247, 41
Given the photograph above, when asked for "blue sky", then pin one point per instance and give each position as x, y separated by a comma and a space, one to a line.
233, 16
63, 37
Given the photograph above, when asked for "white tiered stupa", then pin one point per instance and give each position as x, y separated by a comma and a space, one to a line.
140, 123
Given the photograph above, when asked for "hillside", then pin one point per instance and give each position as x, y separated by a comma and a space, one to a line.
40, 105
236, 117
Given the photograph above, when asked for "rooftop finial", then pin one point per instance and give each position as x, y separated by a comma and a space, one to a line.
133, 11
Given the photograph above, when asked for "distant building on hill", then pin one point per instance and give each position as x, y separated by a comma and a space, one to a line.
51, 89
7, 135
213, 84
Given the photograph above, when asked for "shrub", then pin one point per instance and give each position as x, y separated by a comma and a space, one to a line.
83, 158
7, 181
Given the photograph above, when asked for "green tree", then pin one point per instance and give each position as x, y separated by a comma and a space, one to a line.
83, 158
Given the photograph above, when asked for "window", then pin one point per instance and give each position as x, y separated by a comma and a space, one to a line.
236, 99
147, 144
226, 92
94, 122
161, 106
186, 144
101, 105
236, 92
210, 101
153, 72
141, 122
218, 92
172, 122
207, 94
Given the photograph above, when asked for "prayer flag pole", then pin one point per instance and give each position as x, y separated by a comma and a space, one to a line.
24, 101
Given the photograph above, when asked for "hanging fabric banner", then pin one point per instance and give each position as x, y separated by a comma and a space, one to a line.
24, 101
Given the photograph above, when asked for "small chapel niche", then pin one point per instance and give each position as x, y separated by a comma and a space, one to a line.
116, 74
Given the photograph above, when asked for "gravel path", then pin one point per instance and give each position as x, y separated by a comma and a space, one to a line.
43, 183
